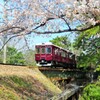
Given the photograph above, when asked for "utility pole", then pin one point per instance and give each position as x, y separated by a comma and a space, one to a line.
5, 35
5, 49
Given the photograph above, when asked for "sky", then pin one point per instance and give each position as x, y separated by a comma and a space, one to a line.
35, 39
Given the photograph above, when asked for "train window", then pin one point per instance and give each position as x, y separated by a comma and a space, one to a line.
43, 50
63, 54
37, 50
56, 51
70, 55
48, 50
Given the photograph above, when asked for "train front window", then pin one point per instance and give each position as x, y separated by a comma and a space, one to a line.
43, 50
48, 50
37, 50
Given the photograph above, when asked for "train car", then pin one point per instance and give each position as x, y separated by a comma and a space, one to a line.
48, 54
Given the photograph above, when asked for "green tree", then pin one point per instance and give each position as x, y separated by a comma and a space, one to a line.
89, 43
14, 56
1, 56
62, 41
92, 92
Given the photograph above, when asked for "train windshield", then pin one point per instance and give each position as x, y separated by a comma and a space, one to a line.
37, 50
43, 50
48, 50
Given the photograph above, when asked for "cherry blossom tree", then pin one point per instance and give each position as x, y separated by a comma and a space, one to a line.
24, 17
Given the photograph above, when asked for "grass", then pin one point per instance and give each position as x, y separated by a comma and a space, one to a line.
22, 83
6, 94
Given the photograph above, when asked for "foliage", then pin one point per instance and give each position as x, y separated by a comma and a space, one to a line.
14, 57
61, 41
89, 43
92, 92
98, 68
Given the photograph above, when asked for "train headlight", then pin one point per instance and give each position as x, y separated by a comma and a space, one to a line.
42, 61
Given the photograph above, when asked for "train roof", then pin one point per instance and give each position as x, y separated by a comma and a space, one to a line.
49, 43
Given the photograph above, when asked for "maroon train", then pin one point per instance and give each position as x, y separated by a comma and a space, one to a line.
52, 55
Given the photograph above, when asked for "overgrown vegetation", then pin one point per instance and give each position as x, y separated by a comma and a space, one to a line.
88, 42
91, 92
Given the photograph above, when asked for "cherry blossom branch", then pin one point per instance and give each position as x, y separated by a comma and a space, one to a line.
67, 30
9, 40
15, 27
66, 23
48, 32
26, 43
16, 35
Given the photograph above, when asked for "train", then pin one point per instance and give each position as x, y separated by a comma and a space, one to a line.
48, 55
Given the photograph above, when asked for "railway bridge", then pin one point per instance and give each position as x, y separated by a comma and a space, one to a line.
67, 75
72, 80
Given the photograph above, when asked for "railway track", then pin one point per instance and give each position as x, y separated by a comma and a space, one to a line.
44, 68
57, 69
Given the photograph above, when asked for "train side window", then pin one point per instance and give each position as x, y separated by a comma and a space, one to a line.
48, 50
59, 52
37, 50
70, 55
63, 54
43, 50
56, 51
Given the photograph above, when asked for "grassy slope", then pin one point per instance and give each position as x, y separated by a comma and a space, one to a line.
22, 83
